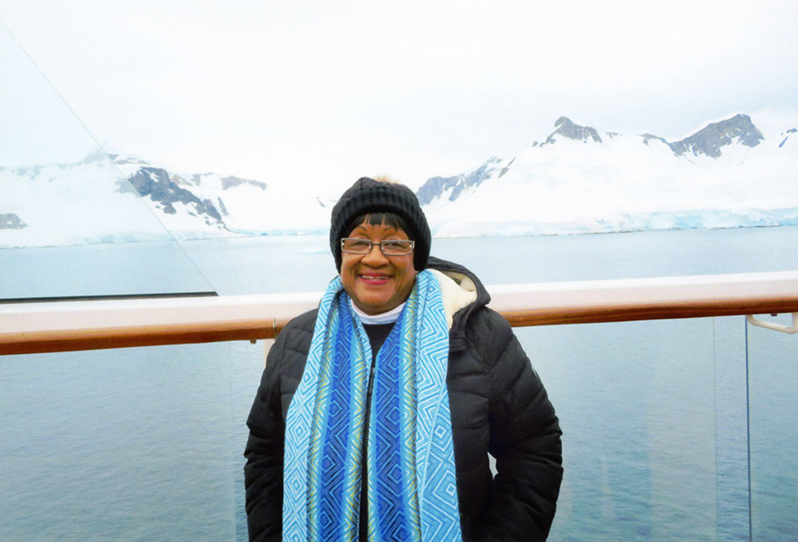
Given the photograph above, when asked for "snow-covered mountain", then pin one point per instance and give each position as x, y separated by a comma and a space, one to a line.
112, 197
228, 205
72, 203
726, 174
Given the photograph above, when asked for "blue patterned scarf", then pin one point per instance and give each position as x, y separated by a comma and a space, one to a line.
412, 492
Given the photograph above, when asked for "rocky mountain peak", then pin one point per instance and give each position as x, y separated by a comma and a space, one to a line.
566, 128
437, 186
710, 139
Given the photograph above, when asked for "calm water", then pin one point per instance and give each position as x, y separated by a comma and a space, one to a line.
145, 444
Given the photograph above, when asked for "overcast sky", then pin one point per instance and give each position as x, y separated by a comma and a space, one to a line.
319, 93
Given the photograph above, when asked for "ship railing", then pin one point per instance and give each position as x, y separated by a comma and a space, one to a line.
61, 326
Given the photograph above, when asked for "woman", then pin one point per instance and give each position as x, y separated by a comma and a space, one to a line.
377, 411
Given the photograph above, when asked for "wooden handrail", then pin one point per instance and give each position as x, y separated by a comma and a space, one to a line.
647, 299
87, 325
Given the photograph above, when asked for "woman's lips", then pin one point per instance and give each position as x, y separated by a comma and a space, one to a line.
374, 280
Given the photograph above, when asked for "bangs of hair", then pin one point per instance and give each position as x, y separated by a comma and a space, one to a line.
380, 219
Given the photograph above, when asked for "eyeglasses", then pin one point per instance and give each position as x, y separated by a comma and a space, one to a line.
389, 247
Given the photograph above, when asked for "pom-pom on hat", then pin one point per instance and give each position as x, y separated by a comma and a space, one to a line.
367, 196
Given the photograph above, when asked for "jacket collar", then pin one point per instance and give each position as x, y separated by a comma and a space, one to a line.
463, 294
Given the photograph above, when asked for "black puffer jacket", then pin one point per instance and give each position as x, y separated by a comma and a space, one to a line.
498, 405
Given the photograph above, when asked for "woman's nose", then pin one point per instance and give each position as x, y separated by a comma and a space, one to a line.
375, 255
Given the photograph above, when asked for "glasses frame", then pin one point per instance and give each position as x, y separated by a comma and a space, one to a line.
380, 243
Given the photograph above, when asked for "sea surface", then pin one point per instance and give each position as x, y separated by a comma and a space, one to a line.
673, 430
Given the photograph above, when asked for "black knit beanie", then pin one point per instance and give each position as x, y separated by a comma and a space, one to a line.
368, 195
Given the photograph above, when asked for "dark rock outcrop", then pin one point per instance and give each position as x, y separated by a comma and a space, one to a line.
10, 221
437, 186
156, 183
787, 136
568, 129
230, 182
711, 139
649, 137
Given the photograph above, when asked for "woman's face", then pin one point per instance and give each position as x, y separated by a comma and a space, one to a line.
375, 282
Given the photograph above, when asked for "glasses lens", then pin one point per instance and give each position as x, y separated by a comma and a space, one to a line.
356, 246
397, 247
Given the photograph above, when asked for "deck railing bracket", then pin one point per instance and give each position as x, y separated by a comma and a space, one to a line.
774, 326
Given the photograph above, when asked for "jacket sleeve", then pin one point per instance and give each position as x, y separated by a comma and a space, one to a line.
263, 471
525, 439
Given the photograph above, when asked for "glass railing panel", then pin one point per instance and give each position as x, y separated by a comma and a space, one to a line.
71, 225
131, 444
264, 265
245, 374
731, 428
773, 381
637, 407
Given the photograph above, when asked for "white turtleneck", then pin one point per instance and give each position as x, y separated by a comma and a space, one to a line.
388, 317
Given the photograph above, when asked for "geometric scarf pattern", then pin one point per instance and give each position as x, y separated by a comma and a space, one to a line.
409, 461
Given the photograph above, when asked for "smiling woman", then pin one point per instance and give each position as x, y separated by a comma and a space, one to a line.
377, 280
377, 411
372, 213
